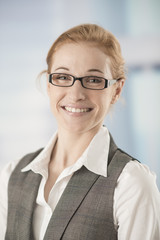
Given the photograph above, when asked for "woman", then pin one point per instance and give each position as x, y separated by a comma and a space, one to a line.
81, 186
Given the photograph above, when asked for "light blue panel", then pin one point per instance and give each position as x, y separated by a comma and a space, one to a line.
143, 17
145, 117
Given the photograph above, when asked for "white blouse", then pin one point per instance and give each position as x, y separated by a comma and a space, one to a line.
136, 198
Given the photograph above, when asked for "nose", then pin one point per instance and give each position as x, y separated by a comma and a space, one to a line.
77, 92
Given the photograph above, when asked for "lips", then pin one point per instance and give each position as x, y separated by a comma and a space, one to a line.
77, 110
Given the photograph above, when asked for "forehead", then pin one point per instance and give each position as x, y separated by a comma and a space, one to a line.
81, 48
80, 56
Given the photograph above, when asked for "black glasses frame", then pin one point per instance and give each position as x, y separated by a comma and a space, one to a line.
108, 83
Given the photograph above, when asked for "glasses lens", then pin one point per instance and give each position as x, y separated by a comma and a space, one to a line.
62, 80
93, 82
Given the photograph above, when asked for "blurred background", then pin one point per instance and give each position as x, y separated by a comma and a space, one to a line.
27, 30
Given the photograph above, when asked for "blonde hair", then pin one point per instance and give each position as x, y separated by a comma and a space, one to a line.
98, 36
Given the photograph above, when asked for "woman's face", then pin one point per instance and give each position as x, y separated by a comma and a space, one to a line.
75, 108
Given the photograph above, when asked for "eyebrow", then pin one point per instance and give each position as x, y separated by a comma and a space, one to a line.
90, 70
95, 70
64, 68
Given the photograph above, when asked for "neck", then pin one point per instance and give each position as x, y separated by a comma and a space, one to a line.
70, 146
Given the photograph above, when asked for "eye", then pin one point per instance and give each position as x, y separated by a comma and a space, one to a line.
61, 77
93, 80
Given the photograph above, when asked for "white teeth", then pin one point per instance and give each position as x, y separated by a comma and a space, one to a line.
77, 110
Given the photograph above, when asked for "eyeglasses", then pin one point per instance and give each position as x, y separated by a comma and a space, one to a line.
89, 82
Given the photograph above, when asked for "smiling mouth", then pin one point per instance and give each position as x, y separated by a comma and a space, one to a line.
77, 110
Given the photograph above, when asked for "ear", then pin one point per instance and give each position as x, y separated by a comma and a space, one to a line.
117, 91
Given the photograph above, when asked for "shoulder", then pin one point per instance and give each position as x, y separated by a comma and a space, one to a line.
7, 171
9, 168
28, 158
137, 186
138, 177
138, 173
137, 202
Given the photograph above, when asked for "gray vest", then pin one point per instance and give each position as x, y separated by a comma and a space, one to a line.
84, 212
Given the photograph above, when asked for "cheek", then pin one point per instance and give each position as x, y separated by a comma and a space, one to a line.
55, 96
52, 99
106, 98
106, 102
